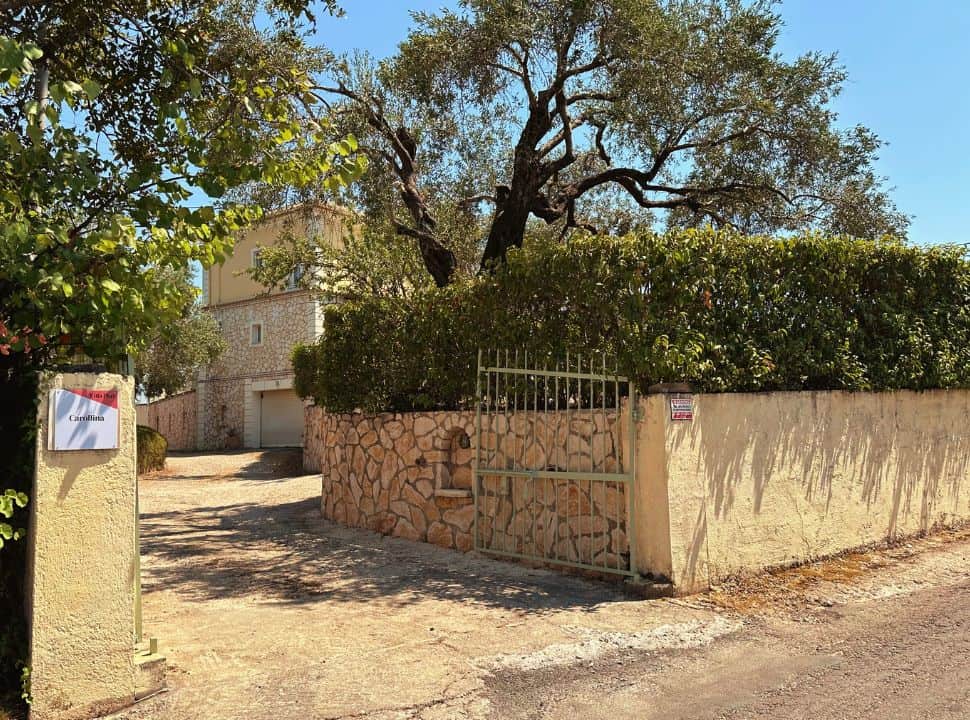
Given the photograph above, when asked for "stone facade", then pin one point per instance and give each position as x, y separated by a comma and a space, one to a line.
410, 475
228, 409
221, 413
286, 319
174, 417
246, 398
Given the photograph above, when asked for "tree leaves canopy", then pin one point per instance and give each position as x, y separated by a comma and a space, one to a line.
167, 365
676, 112
112, 116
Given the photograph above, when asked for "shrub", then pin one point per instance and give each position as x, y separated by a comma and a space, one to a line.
719, 310
151, 448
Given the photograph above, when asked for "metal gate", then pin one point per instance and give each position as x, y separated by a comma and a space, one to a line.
555, 461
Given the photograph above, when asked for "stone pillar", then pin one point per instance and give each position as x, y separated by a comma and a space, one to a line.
81, 566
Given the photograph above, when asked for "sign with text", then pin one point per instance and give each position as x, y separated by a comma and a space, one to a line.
682, 408
84, 419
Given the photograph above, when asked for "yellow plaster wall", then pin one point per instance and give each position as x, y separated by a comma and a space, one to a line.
229, 283
650, 495
761, 480
81, 567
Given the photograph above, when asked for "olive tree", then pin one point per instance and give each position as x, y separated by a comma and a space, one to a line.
504, 113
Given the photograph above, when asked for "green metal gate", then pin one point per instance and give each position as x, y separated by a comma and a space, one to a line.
555, 461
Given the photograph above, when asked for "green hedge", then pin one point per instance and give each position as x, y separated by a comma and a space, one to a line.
721, 311
152, 447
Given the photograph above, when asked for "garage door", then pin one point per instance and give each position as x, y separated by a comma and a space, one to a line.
280, 419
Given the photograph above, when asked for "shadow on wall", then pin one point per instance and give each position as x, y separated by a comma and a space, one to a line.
880, 465
287, 553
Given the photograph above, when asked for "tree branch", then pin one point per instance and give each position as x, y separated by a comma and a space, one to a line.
475, 199
438, 259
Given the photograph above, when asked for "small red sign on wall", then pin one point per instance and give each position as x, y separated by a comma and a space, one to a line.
682, 408
83, 419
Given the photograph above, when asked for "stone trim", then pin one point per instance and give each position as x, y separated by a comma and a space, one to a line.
260, 299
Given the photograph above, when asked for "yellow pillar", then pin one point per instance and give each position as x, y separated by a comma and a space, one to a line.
82, 564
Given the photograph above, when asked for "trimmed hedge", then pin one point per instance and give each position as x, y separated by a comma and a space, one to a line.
721, 311
152, 447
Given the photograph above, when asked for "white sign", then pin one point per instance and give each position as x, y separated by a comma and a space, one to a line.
681, 407
84, 419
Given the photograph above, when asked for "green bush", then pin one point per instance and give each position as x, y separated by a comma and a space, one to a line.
152, 447
722, 311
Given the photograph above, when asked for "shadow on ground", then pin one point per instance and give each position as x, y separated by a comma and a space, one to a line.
286, 552
270, 464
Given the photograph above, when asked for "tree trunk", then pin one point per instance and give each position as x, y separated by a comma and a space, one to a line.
512, 207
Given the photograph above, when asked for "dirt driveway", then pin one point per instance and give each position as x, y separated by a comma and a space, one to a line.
265, 610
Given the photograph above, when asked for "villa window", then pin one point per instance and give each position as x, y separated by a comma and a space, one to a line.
293, 279
256, 334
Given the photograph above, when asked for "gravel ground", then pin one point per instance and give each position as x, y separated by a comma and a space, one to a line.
265, 610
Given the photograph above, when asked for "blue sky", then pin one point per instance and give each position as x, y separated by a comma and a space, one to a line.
909, 80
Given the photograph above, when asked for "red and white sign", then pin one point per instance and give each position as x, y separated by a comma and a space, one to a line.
682, 408
83, 419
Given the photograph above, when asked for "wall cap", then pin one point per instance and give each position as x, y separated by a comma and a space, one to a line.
669, 388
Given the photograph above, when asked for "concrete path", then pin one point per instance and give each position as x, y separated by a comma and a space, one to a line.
267, 611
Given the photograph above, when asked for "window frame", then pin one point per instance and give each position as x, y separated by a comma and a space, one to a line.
293, 279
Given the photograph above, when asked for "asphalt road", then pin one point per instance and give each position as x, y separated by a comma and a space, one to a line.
898, 657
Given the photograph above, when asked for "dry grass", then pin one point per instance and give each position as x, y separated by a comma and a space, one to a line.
785, 589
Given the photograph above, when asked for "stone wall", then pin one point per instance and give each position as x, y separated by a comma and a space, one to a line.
410, 475
221, 403
174, 417
287, 319
313, 439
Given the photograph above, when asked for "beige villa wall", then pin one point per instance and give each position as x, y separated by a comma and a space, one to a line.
760, 480
81, 567
174, 417
229, 282
406, 474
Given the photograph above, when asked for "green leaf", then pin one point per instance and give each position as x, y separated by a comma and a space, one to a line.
91, 88
195, 87
110, 285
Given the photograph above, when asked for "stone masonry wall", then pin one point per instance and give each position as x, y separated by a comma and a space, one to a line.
287, 319
313, 447
174, 417
222, 405
410, 475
